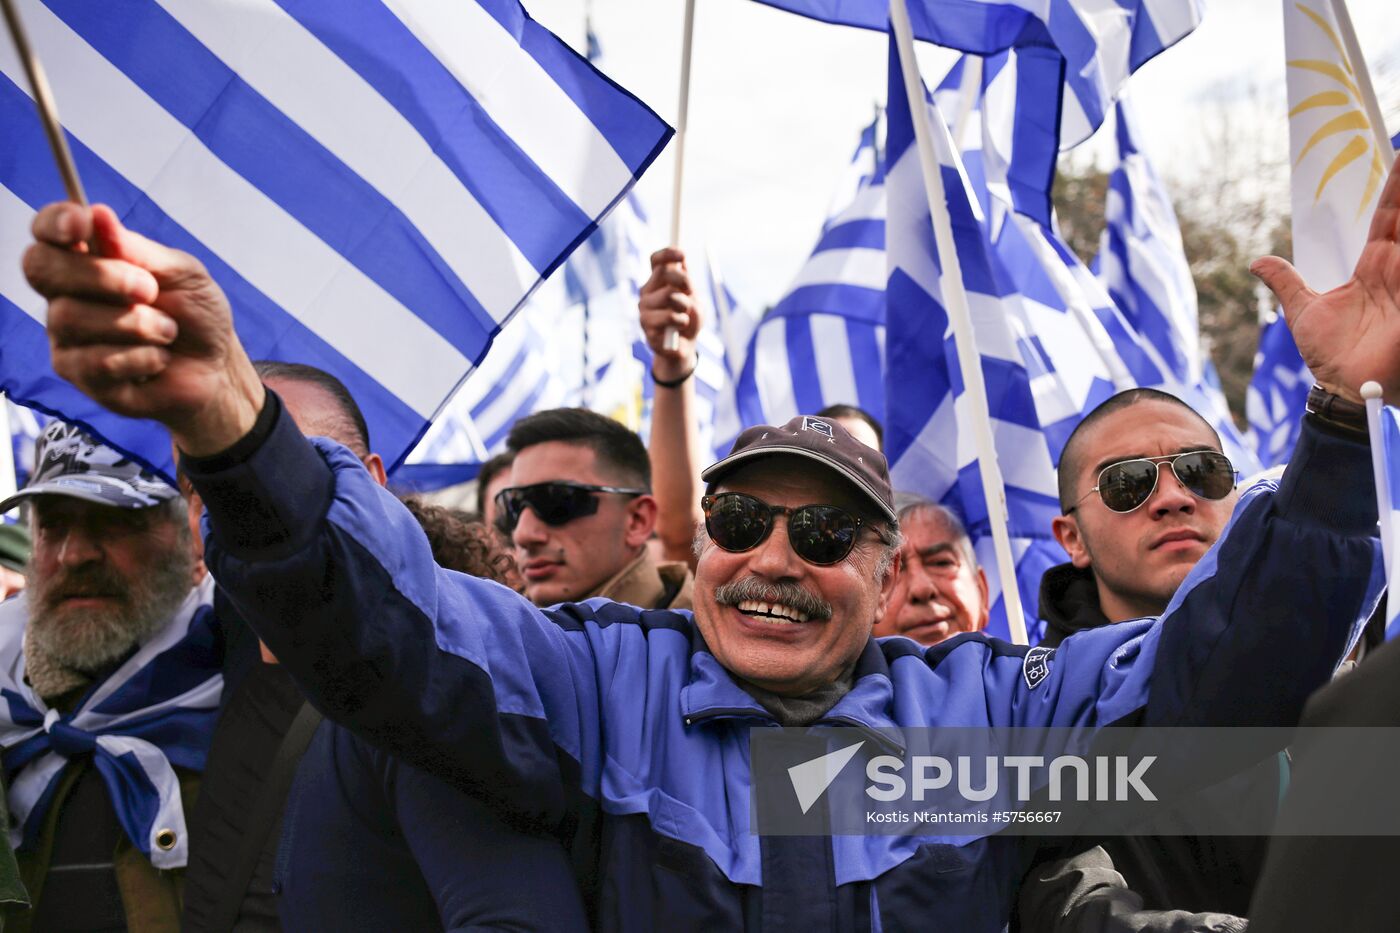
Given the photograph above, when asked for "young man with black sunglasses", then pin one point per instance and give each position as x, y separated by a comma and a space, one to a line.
579, 511
626, 732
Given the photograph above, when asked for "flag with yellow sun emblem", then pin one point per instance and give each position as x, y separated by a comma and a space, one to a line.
1338, 146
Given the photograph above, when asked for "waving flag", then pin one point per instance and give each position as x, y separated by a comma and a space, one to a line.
376, 184
1390, 514
929, 417
823, 343
1101, 43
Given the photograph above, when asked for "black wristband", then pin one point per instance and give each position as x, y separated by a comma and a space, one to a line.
1336, 411
243, 448
677, 382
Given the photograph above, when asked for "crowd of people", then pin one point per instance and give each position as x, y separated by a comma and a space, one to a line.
275, 696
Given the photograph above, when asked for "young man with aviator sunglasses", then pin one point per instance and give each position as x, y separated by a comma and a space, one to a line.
579, 511
627, 731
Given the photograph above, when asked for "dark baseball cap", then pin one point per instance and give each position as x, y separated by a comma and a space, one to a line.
820, 440
70, 463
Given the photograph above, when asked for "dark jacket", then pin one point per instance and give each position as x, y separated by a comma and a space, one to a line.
615, 727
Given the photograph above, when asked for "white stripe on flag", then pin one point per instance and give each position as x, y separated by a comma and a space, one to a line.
269, 248
290, 67
522, 99
858, 266
773, 373
835, 369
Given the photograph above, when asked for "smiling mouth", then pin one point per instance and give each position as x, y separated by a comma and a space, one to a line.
773, 613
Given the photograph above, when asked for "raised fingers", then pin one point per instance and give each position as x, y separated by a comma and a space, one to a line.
75, 323
65, 225
102, 370
55, 270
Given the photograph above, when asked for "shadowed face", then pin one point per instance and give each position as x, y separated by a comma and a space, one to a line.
938, 592
1139, 558
769, 616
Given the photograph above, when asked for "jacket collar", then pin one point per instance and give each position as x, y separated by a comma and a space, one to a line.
711, 694
650, 585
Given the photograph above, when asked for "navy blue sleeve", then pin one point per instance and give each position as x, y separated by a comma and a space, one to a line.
460, 676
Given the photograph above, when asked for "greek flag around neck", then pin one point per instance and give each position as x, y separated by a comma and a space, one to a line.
156, 711
376, 184
1101, 42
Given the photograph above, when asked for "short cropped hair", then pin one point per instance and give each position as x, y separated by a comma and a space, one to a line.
350, 427
489, 471
1071, 457
620, 452
841, 410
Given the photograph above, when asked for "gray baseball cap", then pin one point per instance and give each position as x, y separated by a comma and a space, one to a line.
70, 463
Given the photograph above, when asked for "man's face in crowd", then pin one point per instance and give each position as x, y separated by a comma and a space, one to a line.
938, 592
102, 579
572, 561
860, 430
789, 658
1139, 558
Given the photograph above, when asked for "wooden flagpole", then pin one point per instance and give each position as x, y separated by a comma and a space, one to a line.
673, 337
43, 101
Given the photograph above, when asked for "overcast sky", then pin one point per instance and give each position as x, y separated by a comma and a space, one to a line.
778, 101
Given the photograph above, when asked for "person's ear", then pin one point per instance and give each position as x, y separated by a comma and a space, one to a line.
986, 592
887, 585
641, 521
1071, 538
375, 464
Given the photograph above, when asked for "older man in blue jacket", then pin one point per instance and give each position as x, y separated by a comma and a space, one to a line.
627, 730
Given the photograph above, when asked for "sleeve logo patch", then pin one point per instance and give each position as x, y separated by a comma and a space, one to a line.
1037, 666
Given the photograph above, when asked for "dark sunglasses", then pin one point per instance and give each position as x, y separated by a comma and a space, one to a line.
1124, 486
556, 503
819, 534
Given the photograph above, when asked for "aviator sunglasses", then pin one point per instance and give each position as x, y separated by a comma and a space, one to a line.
556, 503
819, 534
1126, 485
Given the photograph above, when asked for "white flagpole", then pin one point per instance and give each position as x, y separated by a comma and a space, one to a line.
672, 338
1363, 81
955, 297
1371, 392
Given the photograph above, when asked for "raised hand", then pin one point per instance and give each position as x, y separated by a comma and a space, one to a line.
668, 302
141, 328
1352, 333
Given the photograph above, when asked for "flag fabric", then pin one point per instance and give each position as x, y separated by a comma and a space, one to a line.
1390, 448
376, 184
25, 427
1101, 43
824, 341
929, 439
155, 711
1278, 393
1336, 155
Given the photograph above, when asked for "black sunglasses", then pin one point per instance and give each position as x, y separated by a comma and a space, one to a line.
1124, 486
819, 534
556, 503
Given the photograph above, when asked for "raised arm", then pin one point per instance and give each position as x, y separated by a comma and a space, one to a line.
668, 302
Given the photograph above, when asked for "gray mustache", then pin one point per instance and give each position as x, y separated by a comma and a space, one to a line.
763, 591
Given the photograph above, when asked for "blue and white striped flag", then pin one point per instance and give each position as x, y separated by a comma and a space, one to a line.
1278, 393
1390, 451
1101, 42
824, 342
25, 426
376, 184
929, 438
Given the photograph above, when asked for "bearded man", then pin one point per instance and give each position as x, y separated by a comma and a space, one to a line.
111, 669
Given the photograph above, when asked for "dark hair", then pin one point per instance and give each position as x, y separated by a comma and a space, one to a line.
1070, 464
488, 472
350, 428
840, 410
619, 450
461, 542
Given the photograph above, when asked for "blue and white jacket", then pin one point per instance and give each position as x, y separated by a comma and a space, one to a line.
616, 727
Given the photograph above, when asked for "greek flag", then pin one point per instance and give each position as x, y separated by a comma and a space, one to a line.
929, 440
376, 184
1390, 514
1101, 42
1142, 263
155, 711
824, 341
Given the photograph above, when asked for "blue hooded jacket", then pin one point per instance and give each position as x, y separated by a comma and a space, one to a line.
616, 729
